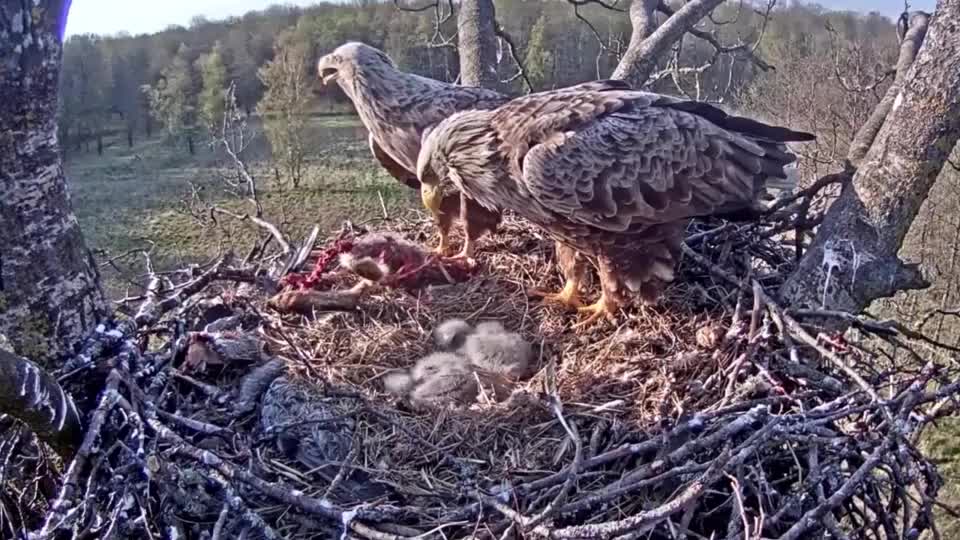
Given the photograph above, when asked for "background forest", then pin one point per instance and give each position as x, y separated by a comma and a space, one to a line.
167, 137
138, 113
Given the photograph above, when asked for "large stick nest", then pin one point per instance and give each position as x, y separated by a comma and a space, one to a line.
717, 413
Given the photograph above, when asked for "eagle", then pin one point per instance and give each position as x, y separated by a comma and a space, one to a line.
396, 108
612, 174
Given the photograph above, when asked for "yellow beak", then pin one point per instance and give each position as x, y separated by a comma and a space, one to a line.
430, 195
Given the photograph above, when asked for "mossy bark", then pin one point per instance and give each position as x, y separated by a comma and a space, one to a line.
48, 281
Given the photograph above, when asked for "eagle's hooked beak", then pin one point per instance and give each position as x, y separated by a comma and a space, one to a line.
430, 195
327, 74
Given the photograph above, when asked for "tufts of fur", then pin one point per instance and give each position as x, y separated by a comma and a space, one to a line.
365, 267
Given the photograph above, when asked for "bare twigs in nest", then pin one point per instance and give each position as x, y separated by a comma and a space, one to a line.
771, 429
239, 180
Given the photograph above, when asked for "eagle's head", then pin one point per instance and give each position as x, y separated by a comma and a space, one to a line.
459, 147
431, 169
349, 59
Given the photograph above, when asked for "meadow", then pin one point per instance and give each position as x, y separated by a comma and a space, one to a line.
131, 200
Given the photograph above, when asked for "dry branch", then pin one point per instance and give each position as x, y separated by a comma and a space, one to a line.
745, 405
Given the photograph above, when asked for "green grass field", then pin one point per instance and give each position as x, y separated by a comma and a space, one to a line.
133, 198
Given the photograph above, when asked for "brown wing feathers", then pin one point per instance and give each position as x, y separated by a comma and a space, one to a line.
769, 138
747, 126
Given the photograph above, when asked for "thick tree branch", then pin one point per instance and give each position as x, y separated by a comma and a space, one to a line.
49, 284
910, 41
647, 46
30, 394
853, 260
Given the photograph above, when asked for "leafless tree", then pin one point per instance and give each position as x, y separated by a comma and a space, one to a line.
476, 28
237, 179
854, 258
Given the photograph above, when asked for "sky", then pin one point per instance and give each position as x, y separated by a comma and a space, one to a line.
145, 16
139, 16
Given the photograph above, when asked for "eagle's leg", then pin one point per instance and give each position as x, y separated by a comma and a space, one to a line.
477, 221
604, 308
569, 295
443, 247
444, 209
573, 266
608, 305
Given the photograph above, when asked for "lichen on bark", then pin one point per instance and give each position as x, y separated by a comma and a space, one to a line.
48, 281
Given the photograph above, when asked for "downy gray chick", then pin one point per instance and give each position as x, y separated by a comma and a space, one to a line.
494, 349
451, 334
445, 366
443, 378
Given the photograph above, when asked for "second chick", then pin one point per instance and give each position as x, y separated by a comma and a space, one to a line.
488, 346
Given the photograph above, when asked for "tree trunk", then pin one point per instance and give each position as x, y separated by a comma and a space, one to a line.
31, 395
99, 144
853, 259
190, 147
647, 45
129, 137
49, 287
911, 38
477, 34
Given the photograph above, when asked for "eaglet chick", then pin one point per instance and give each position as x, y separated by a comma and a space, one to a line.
435, 378
451, 334
488, 347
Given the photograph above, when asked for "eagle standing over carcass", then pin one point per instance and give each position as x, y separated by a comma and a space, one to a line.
396, 108
613, 174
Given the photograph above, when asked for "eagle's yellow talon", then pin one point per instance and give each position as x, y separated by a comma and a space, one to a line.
601, 309
443, 248
569, 296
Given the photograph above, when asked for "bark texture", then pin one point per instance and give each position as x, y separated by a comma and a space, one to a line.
910, 31
853, 260
476, 31
31, 395
49, 290
648, 45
